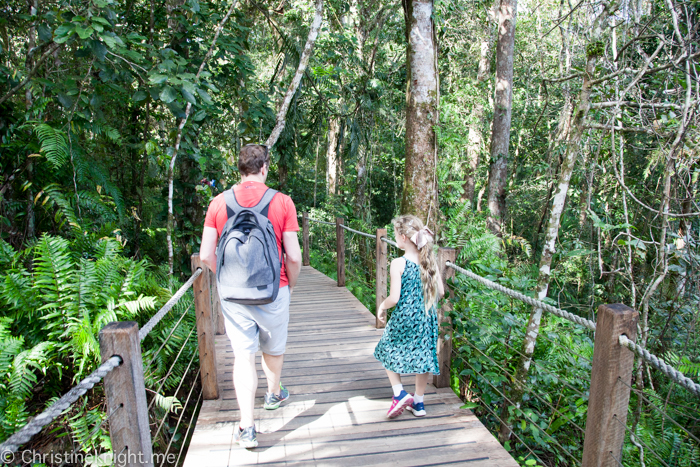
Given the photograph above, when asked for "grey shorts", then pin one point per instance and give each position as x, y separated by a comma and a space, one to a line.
258, 327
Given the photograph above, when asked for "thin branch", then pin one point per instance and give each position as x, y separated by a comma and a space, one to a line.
599, 126
178, 139
32, 72
562, 20
672, 64
561, 80
611, 76
639, 105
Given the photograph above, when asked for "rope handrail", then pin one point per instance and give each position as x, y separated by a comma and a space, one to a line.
320, 221
654, 360
390, 242
148, 327
662, 366
524, 298
12, 444
34, 426
358, 232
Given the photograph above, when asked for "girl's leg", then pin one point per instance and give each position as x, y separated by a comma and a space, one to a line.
401, 398
421, 383
417, 408
394, 378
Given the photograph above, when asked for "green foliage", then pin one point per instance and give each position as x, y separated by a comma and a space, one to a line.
57, 302
20, 365
53, 143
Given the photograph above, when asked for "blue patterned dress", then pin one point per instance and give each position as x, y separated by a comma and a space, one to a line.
409, 342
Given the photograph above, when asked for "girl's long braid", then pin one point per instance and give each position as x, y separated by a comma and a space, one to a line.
408, 225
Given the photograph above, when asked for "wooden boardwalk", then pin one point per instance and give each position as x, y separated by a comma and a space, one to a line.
336, 415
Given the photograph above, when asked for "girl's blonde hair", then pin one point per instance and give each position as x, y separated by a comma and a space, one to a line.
409, 225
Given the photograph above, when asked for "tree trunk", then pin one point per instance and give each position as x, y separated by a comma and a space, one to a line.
478, 121
306, 54
500, 133
362, 176
29, 100
340, 162
572, 130
331, 156
420, 180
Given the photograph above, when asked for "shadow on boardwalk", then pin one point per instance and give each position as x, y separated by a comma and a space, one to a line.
336, 415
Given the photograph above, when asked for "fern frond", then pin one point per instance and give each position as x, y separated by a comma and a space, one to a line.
168, 403
53, 268
53, 143
54, 193
135, 307
23, 377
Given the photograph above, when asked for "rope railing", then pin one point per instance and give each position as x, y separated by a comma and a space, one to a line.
389, 242
675, 375
148, 327
36, 424
655, 361
358, 232
320, 221
524, 298
25, 434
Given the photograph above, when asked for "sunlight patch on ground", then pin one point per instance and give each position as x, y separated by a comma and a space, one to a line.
270, 421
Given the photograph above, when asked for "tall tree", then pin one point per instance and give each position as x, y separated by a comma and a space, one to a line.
420, 183
572, 127
332, 156
503, 103
478, 120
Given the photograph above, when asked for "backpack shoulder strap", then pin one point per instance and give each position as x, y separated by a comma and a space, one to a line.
232, 206
263, 205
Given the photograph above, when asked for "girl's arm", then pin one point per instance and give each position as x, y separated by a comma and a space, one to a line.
441, 288
395, 272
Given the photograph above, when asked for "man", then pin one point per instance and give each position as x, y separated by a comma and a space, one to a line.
253, 327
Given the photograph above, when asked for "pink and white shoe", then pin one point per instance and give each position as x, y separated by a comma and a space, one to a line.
398, 404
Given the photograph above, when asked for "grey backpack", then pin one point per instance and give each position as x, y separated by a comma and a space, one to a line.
248, 264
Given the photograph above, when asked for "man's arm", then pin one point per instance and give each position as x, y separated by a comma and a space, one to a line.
293, 254
207, 250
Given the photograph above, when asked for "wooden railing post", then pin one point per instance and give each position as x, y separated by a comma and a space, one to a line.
611, 376
444, 346
381, 276
340, 250
205, 330
126, 396
306, 259
218, 316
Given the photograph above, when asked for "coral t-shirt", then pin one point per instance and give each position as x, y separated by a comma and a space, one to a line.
282, 214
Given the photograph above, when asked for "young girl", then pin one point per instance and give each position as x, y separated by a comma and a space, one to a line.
409, 342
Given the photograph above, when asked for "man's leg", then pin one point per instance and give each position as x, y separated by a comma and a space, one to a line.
272, 366
245, 381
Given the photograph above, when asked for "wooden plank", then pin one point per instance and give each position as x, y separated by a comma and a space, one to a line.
336, 415
206, 334
444, 346
611, 377
217, 314
305, 239
340, 250
381, 275
126, 395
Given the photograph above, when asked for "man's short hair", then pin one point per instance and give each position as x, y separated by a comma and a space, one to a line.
252, 158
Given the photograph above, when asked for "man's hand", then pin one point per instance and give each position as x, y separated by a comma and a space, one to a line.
207, 250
